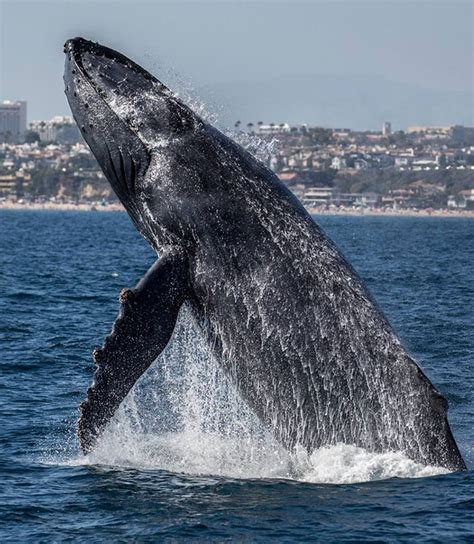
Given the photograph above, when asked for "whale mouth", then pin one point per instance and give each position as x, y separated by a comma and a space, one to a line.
79, 46
109, 72
117, 81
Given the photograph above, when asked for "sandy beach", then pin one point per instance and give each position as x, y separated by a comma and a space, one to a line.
117, 207
61, 206
393, 213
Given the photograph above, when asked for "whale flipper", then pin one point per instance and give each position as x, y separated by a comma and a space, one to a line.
141, 331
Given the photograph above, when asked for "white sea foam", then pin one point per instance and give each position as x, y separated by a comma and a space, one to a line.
213, 454
184, 416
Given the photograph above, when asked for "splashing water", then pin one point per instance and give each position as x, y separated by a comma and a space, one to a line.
260, 149
184, 416
185, 89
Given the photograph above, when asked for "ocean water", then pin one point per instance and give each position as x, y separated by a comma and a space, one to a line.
185, 460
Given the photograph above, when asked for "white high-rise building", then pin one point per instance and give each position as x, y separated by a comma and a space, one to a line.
387, 128
12, 121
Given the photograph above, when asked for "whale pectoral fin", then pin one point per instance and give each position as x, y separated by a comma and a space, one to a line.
140, 333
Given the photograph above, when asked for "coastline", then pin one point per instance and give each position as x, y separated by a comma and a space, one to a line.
410, 212
63, 206
362, 212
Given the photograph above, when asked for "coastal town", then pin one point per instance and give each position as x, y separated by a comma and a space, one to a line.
331, 170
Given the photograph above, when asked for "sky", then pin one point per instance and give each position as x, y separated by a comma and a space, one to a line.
321, 62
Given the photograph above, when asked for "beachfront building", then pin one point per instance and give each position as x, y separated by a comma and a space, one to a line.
273, 128
12, 121
320, 196
14, 184
359, 200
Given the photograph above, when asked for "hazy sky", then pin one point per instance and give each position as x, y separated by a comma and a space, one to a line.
428, 44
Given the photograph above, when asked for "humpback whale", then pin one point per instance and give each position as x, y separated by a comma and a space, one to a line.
282, 310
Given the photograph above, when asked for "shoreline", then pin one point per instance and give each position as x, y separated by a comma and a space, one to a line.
374, 212
363, 212
63, 206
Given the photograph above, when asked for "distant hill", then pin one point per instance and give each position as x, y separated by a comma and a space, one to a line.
356, 102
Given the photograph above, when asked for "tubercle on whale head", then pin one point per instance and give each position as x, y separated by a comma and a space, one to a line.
128, 118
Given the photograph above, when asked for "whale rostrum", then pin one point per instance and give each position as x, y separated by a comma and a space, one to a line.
284, 313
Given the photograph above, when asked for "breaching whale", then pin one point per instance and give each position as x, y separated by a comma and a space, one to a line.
282, 310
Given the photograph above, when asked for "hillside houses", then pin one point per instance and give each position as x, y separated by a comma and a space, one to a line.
423, 167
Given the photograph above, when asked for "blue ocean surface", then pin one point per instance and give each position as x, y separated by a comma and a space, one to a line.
184, 461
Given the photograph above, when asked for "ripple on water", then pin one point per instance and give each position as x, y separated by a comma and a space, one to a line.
153, 479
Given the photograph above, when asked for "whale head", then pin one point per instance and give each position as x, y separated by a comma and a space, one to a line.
134, 126
179, 178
